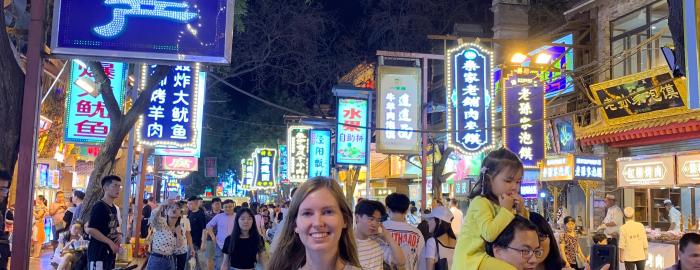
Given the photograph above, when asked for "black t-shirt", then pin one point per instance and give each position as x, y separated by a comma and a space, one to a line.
198, 222
103, 218
244, 255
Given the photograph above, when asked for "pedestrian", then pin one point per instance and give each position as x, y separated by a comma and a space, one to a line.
612, 221
674, 216
223, 222
412, 218
57, 210
370, 237
70, 247
570, 248
689, 252
198, 224
423, 225
633, 243
316, 232
40, 211
551, 257
185, 248
5, 179
408, 237
210, 243
245, 246
495, 201
458, 216
102, 227
146, 215
517, 245
439, 249
166, 236
74, 210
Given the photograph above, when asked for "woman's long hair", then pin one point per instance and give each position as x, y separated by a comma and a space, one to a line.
253, 233
442, 227
554, 259
289, 252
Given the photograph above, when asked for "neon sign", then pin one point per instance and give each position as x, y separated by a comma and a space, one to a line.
320, 153
398, 107
298, 141
523, 111
352, 135
265, 161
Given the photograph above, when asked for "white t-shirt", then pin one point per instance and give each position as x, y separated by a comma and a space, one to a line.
457, 221
409, 239
370, 254
633, 241
614, 215
675, 217
430, 251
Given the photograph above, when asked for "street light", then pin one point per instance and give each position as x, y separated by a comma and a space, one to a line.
543, 58
518, 58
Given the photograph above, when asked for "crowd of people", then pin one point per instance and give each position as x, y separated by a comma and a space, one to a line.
318, 229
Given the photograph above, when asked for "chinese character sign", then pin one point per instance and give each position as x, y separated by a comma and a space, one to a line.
180, 164
523, 111
87, 118
320, 153
352, 131
298, 156
398, 109
265, 165
210, 167
469, 98
558, 168
175, 30
658, 171
528, 190
247, 174
172, 115
283, 162
589, 168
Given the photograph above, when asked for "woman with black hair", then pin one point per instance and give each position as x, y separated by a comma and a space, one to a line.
439, 249
551, 258
245, 246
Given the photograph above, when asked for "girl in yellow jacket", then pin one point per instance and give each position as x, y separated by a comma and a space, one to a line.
495, 200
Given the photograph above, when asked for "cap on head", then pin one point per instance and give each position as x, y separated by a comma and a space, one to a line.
441, 213
668, 202
610, 197
629, 212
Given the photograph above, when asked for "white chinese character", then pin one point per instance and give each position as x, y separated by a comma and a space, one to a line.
404, 115
471, 114
156, 112
472, 138
470, 90
391, 116
406, 132
648, 171
524, 94
180, 114
405, 100
470, 77
179, 132
658, 171
182, 80
155, 130
265, 169
390, 106
183, 68
471, 102
390, 134
181, 97
577, 172
525, 138
639, 172
470, 65
266, 161
265, 177
471, 125
158, 95
525, 123
525, 108
525, 153
167, 10
164, 81
390, 97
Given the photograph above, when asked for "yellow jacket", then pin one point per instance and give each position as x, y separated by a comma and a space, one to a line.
484, 222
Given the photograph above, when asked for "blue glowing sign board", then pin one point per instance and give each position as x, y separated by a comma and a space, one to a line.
565, 134
87, 118
557, 80
320, 153
470, 99
170, 30
352, 132
172, 116
265, 163
523, 111
282, 162
589, 168
247, 174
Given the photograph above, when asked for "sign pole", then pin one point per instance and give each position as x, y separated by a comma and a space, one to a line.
27, 145
139, 197
424, 136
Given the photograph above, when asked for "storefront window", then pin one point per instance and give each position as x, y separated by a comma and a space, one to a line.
628, 31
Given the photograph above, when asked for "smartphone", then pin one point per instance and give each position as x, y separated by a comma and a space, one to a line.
602, 255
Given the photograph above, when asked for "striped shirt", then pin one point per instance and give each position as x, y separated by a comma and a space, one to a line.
370, 254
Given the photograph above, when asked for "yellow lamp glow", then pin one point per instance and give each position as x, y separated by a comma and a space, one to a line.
518, 58
543, 58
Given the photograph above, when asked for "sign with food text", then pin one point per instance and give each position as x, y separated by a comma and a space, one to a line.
248, 171
298, 157
688, 167
528, 190
523, 111
171, 30
646, 171
180, 164
558, 168
265, 164
86, 117
320, 153
171, 117
399, 109
283, 163
352, 136
589, 168
470, 108
628, 99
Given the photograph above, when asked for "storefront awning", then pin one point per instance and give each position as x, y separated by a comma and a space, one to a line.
658, 130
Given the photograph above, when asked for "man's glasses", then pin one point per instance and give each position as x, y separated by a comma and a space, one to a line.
527, 253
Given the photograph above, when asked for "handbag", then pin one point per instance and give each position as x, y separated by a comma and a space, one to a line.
441, 263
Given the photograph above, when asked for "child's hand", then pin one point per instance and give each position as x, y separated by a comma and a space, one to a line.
506, 201
519, 204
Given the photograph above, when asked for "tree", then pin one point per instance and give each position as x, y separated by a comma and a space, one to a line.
11, 91
438, 174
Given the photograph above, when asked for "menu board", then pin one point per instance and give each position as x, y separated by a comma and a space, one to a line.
688, 169
646, 171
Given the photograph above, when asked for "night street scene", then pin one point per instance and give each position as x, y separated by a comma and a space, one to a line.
350, 135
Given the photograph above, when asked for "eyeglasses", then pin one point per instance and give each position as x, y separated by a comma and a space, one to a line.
527, 253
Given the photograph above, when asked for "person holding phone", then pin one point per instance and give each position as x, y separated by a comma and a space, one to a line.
371, 238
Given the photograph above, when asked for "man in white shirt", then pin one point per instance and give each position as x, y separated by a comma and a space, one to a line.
633, 242
674, 216
371, 238
458, 216
612, 221
409, 238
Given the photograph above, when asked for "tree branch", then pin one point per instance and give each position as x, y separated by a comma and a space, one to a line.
104, 85
144, 98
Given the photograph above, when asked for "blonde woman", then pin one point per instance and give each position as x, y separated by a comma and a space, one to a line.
317, 232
